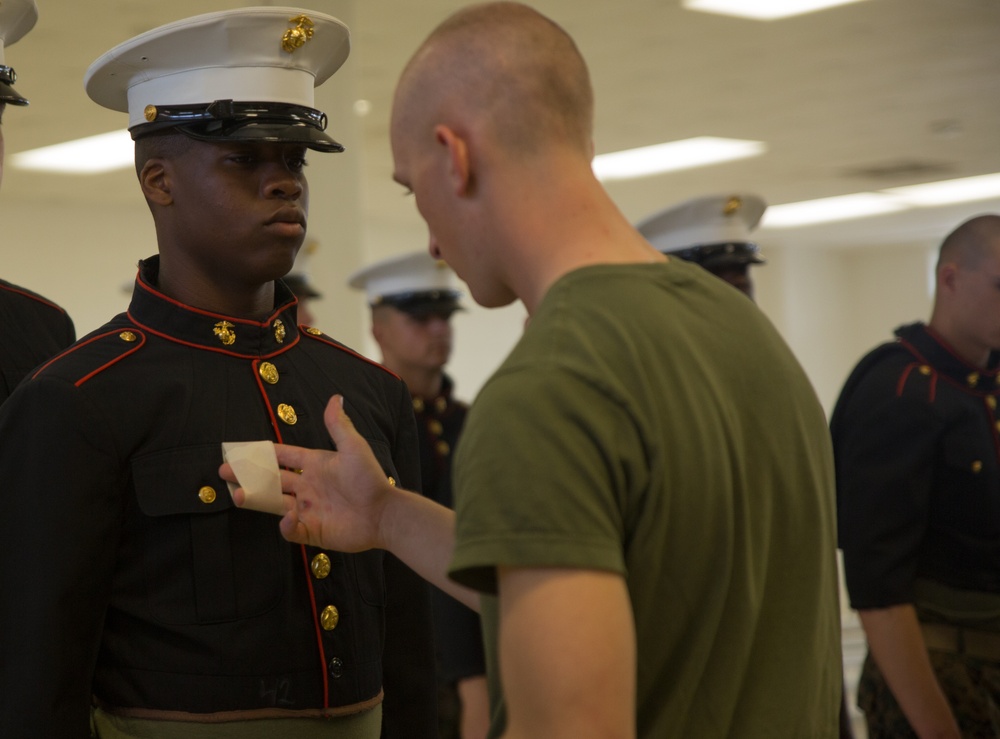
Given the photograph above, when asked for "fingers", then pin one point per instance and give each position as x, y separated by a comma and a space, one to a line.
293, 529
292, 457
226, 472
290, 480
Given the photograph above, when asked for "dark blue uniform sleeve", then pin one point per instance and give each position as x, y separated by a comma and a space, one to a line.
59, 531
884, 440
410, 707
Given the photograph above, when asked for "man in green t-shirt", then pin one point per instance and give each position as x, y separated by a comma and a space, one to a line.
644, 489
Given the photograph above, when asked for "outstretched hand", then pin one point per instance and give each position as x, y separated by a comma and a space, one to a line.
339, 497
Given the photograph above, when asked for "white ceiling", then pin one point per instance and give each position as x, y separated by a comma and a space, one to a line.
875, 94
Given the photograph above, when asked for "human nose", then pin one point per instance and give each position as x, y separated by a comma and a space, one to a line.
281, 182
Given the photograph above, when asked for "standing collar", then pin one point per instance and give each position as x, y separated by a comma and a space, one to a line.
159, 314
930, 348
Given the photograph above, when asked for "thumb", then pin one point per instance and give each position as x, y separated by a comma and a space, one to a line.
338, 423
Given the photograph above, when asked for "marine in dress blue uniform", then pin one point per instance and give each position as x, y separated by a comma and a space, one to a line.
421, 289
32, 328
134, 590
712, 231
917, 444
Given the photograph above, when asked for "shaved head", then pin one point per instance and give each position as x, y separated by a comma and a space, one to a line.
971, 242
506, 68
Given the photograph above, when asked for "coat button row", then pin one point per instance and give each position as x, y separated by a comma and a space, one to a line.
329, 617
320, 566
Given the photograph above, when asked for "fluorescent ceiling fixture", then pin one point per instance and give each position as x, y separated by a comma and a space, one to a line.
840, 208
90, 155
946, 192
686, 154
890, 200
763, 10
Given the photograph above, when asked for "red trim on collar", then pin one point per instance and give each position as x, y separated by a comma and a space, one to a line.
191, 309
227, 352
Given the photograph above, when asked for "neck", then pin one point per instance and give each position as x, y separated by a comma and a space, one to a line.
971, 351
422, 383
192, 289
568, 222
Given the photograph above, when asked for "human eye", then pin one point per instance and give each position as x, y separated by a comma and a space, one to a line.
241, 156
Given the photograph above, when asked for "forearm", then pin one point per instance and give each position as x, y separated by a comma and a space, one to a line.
897, 645
475, 702
422, 534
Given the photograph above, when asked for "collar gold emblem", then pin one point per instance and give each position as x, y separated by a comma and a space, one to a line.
224, 330
279, 331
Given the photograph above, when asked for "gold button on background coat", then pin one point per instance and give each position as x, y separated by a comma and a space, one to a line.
207, 494
287, 414
991, 401
435, 427
329, 618
977, 466
269, 372
972, 379
320, 566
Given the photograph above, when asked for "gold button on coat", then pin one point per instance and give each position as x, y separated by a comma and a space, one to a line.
442, 448
127, 336
977, 466
313, 331
287, 414
320, 566
207, 494
269, 372
435, 427
924, 369
440, 405
418, 405
392, 481
972, 379
329, 618
991, 401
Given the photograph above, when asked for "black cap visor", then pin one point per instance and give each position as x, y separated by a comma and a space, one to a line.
7, 93
226, 120
717, 256
424, 304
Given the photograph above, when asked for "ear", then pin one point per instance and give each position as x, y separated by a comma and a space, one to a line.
156, 181
459, 159
947, 273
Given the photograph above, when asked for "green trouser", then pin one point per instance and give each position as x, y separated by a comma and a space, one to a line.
365, 725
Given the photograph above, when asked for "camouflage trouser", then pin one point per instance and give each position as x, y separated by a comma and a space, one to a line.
972, 687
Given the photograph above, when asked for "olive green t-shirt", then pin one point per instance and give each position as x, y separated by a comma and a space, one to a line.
651, 422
